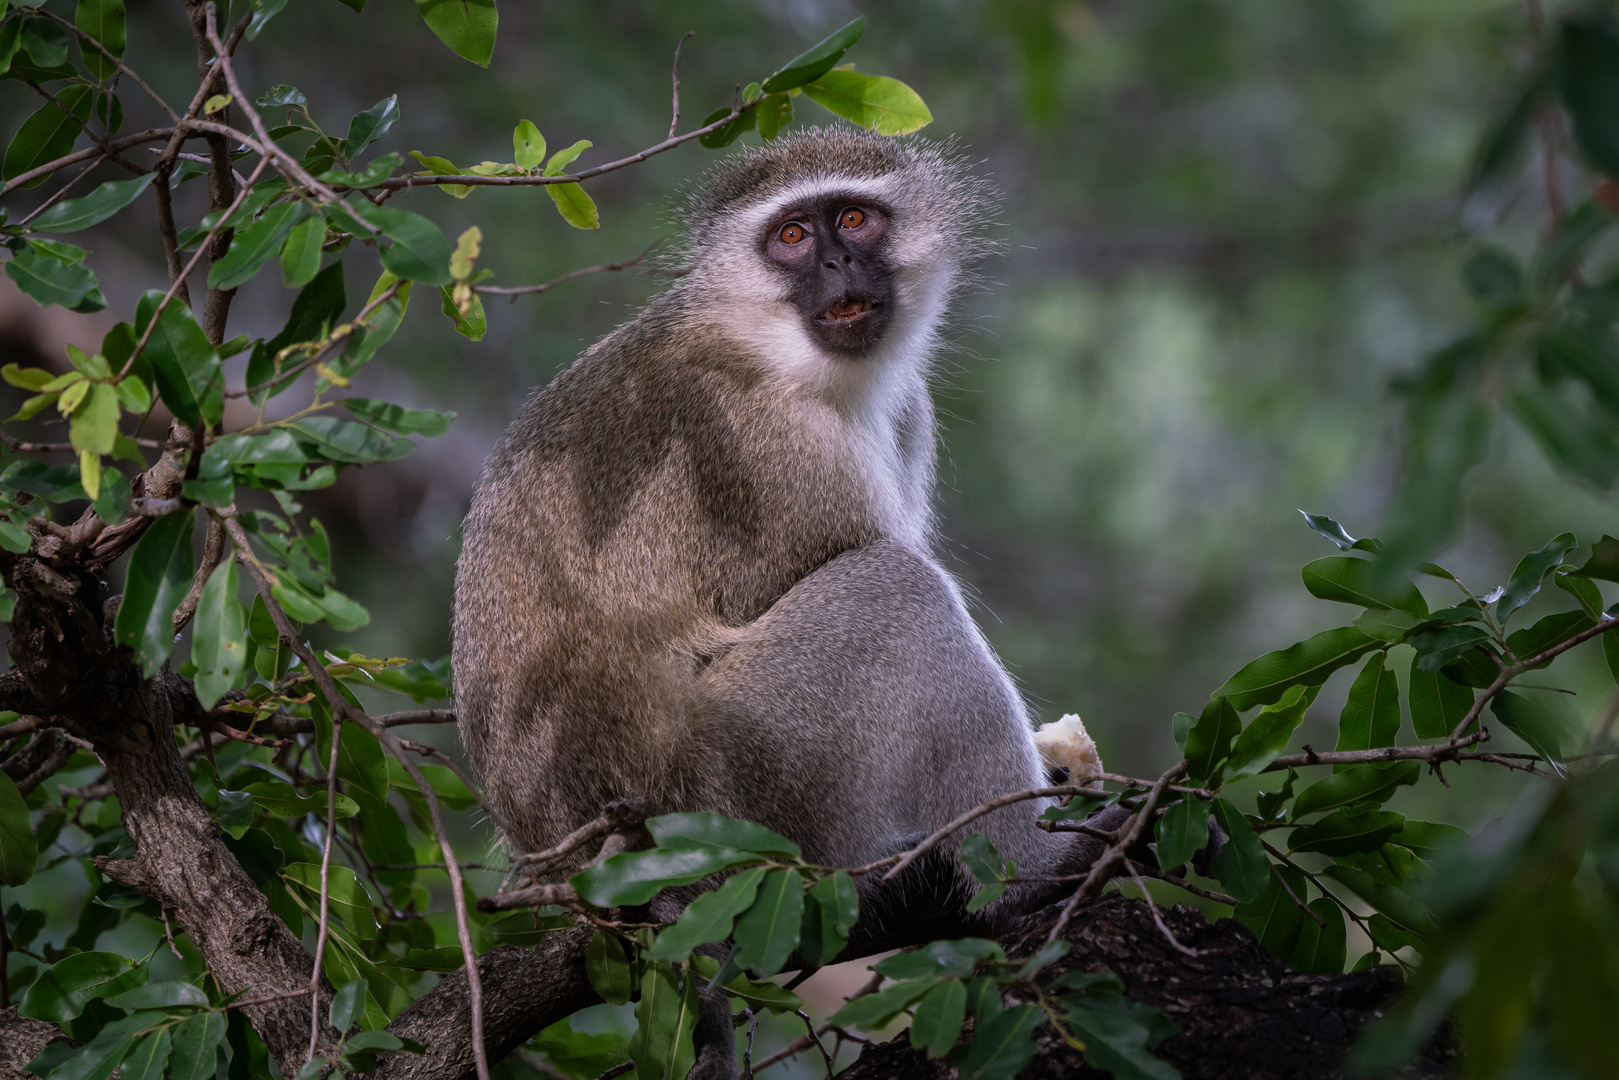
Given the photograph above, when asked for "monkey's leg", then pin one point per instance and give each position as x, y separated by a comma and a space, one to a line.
865, 709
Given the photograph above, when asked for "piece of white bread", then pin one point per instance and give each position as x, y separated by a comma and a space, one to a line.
1066, 744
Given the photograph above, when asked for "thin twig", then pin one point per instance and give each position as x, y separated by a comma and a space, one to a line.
340, 705
1180, 883
397, 182
674, 120
62, 191
24, 179
202, 249
102, 49
1449, 751
1509, 673
443, 759
524, 290
900, 862
1158, 918
1102, 867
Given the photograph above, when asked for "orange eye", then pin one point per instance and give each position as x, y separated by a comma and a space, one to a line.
792, 233
851, 218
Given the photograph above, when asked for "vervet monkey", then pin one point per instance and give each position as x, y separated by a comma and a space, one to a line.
697, 571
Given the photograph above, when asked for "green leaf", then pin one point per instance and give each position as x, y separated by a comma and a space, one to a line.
49, 133
256, 245
360, 758
1329, 530
1604, 560
775, 113
219, 639
767, 933
419, 251
886, 106
371, 125
948, 959
96, 207
317, 308
10, 42
159, 576
300, 255
94, 426
1002, 1046
103, 20
708, 918
1428, 839
437, 166
1588, 595
1442, 645
350, 442
185, 365
1355, 581
346, 896
1371, 784
565, 157
133, 395
1266, 736
938, 1018
608, 968
474, 324
149, 1057
1568, 351
576, 207
1536, 720
665, 1017
62, 992
873, 1011
1570, 439
1531, 641
725, 136
51, 280
1437, 704
1321, 948
1208, 743
1371, 716
1390, 900
1182, 832
1307, 663
195, 1048
1242, 866
45, 41
1492, 275
18, 849
1118, 1032
816, 61
709, 830
160, 996
348, 1005
396, 419
634, 877
1274, 916
1531, 571
466, 26
1342, 833
1448, 426
528, 146
279, 797
1588, 80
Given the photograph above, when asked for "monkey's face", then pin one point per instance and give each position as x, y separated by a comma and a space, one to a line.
832, 251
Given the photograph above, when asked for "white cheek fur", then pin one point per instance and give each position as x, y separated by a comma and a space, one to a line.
879, 401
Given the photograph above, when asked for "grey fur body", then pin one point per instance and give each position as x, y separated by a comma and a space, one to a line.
696, 573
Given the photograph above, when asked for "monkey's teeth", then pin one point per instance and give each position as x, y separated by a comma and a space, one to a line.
848, 309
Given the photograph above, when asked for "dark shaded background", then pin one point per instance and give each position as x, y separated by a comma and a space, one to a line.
1225, 226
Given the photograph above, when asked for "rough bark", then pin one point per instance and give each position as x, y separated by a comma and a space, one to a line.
20, 1039
1242, 1014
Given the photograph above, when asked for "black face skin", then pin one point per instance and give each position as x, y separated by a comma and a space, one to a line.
833, 249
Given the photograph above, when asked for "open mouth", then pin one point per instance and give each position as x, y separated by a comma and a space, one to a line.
848, 310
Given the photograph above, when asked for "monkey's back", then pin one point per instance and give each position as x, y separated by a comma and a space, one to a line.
649, 501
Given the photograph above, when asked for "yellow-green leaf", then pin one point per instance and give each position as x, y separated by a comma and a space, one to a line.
90, 473
528, 145
886, 106
576, 208
95, 422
